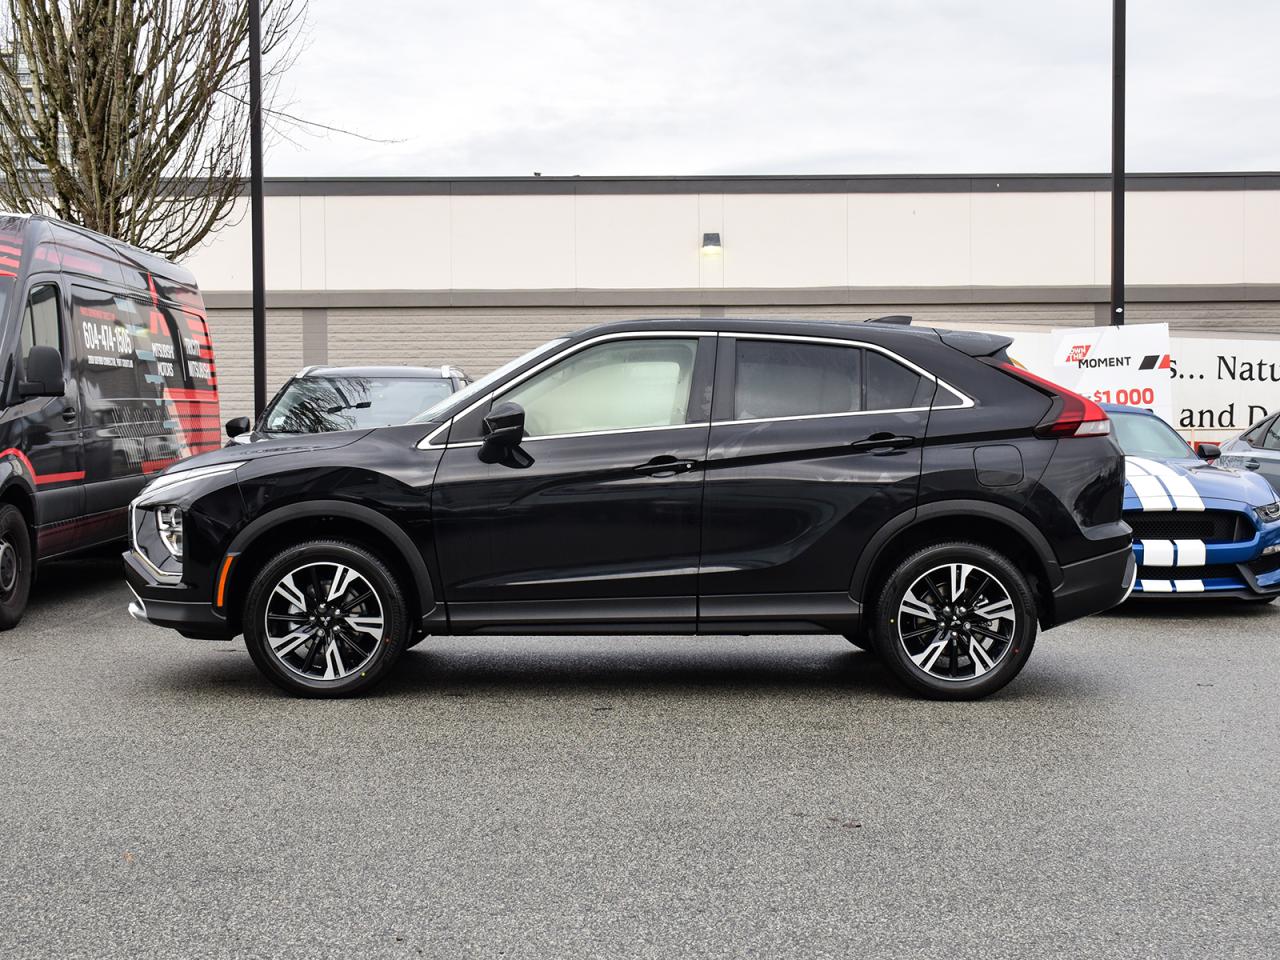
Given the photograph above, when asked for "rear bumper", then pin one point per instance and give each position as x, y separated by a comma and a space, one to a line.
171, 605
1092, 586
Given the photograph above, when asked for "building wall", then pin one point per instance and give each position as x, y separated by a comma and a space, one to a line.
473, 271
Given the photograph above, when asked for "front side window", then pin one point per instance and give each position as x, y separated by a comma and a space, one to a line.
1140, 435
325, 404
40, 321
784, 378
618, 385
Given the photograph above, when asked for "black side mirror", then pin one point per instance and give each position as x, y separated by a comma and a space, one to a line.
503, 430
43, 370
237, 426
1208, 451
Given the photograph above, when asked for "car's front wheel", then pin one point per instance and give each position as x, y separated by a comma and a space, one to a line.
16, 565
325, 619
955, 621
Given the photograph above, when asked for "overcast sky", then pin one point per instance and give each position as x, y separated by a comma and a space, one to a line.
507, 87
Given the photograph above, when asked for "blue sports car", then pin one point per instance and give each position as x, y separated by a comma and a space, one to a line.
1198, 529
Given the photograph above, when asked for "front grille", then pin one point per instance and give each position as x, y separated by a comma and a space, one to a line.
1214, 571
1212, 526
1264, 565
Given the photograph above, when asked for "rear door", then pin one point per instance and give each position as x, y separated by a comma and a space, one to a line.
814, 444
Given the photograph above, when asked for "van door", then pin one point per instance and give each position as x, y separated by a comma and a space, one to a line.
45, 431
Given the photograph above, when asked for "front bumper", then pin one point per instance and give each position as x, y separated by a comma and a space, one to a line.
1238, 569
176, 606
1092, 586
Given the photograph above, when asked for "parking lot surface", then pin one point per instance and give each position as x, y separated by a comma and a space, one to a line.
638, 797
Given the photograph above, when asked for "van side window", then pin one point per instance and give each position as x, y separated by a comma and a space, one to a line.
40, 321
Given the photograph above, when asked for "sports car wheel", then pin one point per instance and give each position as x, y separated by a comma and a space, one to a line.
326, 618
956, 621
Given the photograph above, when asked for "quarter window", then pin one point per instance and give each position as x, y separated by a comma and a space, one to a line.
891, 386
41, 326
618, 385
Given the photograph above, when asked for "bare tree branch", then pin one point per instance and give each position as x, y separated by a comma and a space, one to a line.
127, 116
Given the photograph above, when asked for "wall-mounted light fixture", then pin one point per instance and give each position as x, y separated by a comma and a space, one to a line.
711, 245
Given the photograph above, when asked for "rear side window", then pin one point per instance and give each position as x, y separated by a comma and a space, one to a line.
782, 378
41, 326
1271, 438
891, 386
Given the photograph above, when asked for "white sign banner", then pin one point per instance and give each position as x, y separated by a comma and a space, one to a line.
1208, 388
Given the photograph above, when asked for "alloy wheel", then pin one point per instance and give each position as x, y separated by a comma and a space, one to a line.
324, 621
957, 622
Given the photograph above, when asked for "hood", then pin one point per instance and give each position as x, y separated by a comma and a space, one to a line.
294, 443
1189, 485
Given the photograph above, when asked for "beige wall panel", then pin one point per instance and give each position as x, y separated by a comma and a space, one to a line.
908, 239
628, 242
797, 240
232, 332
1023, 239
387, 243
1262, 236
503, 242
312, 243
224, 261
1184, 237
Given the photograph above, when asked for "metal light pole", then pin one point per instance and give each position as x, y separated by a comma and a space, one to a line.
1117, 163
255, 213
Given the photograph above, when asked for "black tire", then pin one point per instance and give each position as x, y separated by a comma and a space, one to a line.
1004, 589
17, 567
291, 664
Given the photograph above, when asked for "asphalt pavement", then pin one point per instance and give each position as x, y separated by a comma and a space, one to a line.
638, 797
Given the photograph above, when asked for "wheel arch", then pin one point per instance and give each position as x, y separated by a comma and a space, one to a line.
294, 523
15, 489
974, 521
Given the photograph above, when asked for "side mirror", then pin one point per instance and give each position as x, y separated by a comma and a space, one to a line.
503, 430
1208, 451
237, 426
43, 371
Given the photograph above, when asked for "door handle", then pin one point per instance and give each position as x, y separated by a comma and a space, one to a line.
665, 466
68, 414
1252, 465
882, 441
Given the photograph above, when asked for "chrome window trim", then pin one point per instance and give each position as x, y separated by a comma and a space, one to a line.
967, 402
426, 442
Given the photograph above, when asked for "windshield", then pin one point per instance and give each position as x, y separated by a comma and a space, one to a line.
1143, 436
451, 405
323, 404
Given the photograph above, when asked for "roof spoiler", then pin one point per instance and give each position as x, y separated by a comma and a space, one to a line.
975, 343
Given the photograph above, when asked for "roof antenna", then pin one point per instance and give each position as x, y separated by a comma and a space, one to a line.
897, 319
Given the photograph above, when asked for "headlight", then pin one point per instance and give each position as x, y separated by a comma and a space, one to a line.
1268, 512
169, 526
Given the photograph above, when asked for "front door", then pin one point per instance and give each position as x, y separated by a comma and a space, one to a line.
815, 444
597, 521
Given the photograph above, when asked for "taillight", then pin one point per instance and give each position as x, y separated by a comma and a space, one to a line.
1071, 416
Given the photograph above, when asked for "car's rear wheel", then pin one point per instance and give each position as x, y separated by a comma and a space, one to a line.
325, 619
955, 621
16, 566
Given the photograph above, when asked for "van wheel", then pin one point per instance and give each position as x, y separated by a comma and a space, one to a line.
16, 566
955, 621
325, 619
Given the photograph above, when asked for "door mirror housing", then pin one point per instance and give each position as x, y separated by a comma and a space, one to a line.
503, 430
1208, 451
237, 426
42, 374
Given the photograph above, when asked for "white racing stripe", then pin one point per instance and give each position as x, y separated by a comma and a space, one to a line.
1179, 488
1188, 586
1190, 553
1149, 491
1157, 586
1157, 553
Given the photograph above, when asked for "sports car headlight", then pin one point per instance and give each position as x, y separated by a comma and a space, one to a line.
1268, 512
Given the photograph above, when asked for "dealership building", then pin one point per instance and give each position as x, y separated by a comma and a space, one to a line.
473, 271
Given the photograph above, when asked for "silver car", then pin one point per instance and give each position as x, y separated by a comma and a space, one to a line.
1257, 448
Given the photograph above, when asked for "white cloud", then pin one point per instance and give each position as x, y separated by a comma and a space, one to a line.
806, 86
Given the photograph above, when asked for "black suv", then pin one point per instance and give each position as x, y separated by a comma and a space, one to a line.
908, 488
